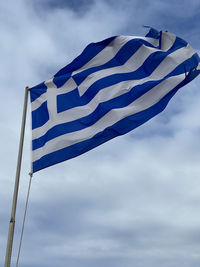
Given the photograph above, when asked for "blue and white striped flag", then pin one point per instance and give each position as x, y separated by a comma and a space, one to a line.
113, 87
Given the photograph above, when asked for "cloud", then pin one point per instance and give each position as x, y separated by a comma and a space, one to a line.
132, 201
79, 6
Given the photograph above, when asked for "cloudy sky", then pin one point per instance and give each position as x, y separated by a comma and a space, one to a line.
133, 201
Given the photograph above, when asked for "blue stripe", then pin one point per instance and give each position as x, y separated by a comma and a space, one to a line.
72, 99
62, 79
88, 53
153, 33
69, 100
150, 64
40, 116
120, 58
105, 107
37, 91
119, 128
128, 50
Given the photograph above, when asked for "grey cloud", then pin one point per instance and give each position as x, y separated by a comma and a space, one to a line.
78, 6
178, 17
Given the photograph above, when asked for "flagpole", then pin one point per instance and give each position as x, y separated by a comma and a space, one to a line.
15, 194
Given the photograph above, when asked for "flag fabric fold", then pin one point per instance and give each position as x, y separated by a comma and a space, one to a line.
113, 87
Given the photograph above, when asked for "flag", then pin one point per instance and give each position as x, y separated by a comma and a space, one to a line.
112, 87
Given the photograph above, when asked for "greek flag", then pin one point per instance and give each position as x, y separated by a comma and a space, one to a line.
113, 87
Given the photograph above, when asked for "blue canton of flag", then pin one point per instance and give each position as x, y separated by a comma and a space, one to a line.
113, 87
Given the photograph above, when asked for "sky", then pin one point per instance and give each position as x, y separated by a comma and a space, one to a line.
133, 201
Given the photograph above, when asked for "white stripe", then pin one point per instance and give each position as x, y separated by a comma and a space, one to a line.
108, 93
145, 101
167, 40
38, 102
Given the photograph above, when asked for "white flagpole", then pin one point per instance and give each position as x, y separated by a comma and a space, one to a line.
15, 194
